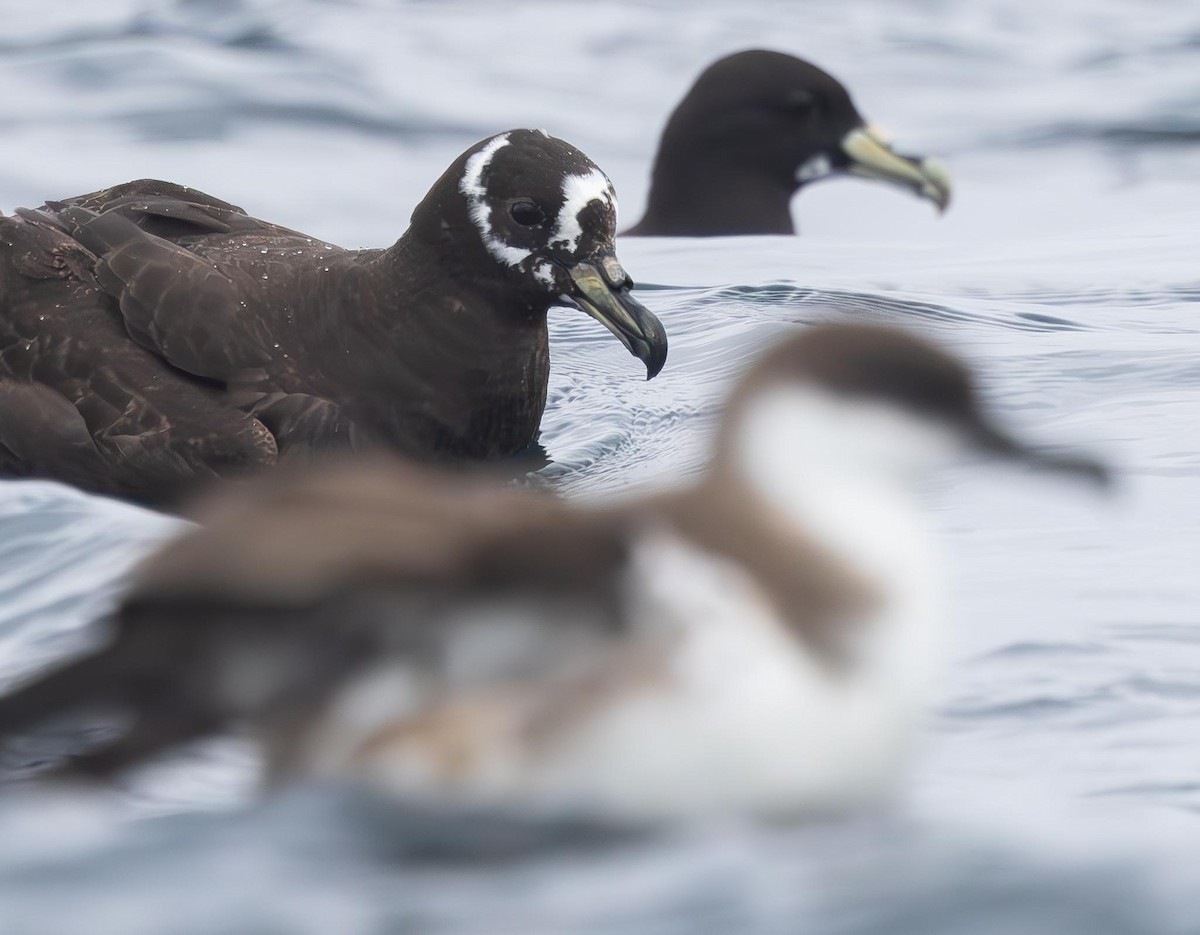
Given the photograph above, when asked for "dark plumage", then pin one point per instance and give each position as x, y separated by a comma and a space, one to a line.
753, 130
152, 336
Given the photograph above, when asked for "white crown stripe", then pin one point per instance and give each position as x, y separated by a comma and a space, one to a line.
475, 192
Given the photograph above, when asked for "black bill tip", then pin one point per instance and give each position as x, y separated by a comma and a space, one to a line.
603, 290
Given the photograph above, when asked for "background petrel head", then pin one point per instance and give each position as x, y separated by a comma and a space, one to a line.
878, 399
759, 124
537, 215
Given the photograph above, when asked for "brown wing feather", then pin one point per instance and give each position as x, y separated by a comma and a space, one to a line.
173, 301
381, 523
172, 211
143, 189
83, 403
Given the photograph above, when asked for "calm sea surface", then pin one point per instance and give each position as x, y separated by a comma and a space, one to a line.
1058, 790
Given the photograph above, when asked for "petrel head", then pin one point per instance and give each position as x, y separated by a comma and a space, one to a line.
878, 400
764, 124
546, 217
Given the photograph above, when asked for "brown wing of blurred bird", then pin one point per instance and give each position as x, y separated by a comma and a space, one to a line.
297, 584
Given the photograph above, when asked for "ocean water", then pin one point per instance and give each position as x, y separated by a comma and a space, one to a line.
1058, 787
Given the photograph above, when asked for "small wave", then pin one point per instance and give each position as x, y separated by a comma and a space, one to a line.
220, 118
1182, 633
889, 308
1151, 790
1031, 649
1164, 131
1025, 710
219, 23
1162, 688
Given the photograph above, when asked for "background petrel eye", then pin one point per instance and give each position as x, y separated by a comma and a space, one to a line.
799, 101
527, 212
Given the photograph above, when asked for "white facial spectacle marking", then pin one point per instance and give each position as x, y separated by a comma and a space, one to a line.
475, 192
579, 191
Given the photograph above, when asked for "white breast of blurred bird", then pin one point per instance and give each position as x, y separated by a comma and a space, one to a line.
743, 717
727, 709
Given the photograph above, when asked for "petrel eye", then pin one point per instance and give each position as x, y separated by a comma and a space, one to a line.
526, 212
799, 101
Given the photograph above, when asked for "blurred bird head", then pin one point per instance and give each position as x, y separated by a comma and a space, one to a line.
766, 123
871, 401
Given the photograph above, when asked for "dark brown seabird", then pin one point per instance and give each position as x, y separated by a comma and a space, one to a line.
754, 129
153, 337
762, 640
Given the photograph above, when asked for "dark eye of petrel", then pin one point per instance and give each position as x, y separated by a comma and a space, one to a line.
799, 102
525, 211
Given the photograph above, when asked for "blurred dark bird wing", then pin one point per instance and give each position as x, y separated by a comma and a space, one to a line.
382, 523
262, 615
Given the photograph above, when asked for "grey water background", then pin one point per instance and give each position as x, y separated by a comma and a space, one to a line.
1058, 789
